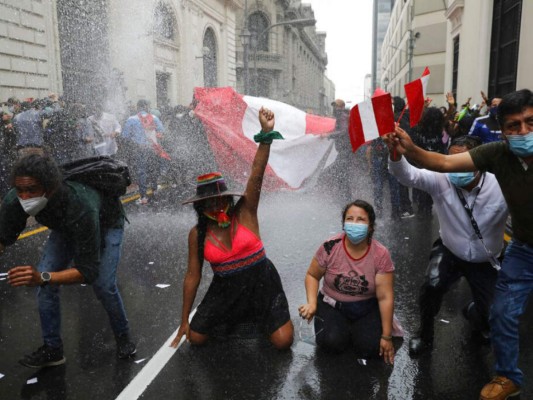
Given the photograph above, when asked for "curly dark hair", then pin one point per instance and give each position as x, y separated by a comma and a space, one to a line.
42, 168
201, 226
369, 210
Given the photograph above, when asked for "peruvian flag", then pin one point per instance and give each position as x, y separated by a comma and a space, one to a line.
415, 92
231, 121
371, 119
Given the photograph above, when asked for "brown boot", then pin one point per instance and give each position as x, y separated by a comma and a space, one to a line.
500, 388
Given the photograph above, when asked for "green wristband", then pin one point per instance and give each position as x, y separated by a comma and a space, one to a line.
267, 137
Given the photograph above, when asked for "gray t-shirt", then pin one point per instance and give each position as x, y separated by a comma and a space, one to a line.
515, 181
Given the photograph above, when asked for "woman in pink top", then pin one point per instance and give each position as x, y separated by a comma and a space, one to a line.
246, 286
356, 302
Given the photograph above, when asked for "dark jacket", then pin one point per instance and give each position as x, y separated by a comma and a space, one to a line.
75, 210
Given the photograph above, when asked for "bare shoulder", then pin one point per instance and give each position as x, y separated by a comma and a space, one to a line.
193, 233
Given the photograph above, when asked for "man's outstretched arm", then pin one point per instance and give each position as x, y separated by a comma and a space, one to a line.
400, 142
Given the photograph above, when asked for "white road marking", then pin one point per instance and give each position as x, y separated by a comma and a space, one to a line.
141, 381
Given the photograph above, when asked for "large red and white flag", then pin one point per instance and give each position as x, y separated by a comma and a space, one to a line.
415, 92
231, 121
371, 119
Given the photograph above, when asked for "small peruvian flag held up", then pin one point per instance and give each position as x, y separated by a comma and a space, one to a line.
371, 119
415, 92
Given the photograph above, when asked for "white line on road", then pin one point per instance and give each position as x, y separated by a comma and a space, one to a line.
141, 381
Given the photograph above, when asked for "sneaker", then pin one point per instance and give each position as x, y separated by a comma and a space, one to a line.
500, 388
125, 347
407, 214
44, 356
142, 201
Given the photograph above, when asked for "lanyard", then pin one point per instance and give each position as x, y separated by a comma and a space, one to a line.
470, 211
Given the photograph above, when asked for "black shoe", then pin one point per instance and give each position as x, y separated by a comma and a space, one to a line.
44, 356
482, 337
125, 347
417, 345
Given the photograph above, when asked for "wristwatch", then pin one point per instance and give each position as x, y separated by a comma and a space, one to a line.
45, 277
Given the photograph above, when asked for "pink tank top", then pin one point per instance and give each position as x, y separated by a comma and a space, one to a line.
246, 251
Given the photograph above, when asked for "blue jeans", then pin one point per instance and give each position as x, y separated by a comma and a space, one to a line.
147, 168
57, 256
514, 284
379, 176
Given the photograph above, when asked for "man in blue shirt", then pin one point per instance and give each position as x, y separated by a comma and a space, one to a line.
144, 129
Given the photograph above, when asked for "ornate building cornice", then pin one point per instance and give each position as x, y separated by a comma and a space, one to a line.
454, 14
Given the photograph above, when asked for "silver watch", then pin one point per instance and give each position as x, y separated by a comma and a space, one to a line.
45, 277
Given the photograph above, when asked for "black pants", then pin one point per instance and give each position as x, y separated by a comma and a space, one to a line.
443, 271
336, 332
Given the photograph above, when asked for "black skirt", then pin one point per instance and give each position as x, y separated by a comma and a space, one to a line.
254, 295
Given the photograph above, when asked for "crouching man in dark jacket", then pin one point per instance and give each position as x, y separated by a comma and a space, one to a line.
84, 246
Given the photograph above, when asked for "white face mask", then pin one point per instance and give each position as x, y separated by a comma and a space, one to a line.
34, 205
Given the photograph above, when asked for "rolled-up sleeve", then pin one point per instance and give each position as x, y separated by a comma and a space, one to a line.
411, 176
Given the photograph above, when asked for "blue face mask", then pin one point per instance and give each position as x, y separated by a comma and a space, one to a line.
356, 232
493, 111
461, 179
521, 145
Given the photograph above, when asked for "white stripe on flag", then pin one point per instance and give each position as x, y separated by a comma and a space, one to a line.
290, 121
296, 157
424, 80
368, 120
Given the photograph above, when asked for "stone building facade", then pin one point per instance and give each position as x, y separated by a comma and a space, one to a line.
119, 51
415, 39
165, 48
488, 47
286, 62
29, 51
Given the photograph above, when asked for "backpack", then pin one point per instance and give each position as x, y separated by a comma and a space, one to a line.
108, 176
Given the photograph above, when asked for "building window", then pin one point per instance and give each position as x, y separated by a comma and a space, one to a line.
164, 23
210, 58
504, 46
162, 81
257, 25
455, 68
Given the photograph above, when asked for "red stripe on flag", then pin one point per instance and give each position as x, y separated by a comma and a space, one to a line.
383, 113
355, 129
414, 91
221, 111
318, 125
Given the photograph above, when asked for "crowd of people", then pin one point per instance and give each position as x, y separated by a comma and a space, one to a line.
475, 169
155, 143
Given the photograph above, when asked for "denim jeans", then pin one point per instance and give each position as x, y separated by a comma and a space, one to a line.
147, 168
379, 177
515, 282
337, 331
57, 256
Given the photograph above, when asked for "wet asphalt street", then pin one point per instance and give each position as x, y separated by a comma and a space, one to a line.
293, 225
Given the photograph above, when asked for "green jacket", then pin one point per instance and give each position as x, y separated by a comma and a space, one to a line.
76, 211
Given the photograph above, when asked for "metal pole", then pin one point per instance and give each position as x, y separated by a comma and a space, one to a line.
246, 45
411, 54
